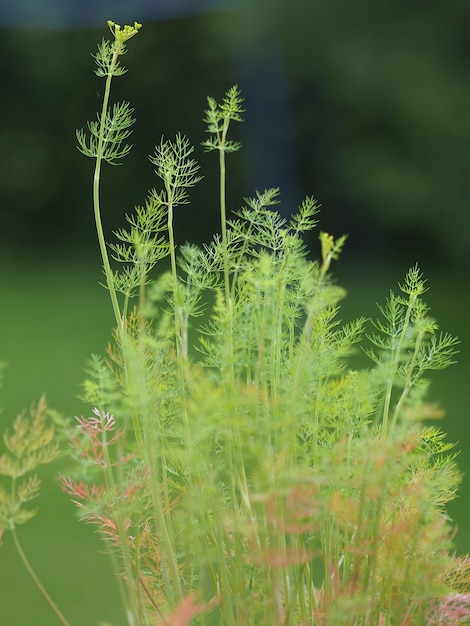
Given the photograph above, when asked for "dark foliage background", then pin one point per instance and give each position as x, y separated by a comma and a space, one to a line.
364, 104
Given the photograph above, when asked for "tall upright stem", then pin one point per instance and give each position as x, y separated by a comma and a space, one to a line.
36, 580
395, 361
96, 196
223, 220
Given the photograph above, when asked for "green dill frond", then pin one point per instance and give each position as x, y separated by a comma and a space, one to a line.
303, 221
218, 118
12, 509
195, 263
433, 442
261, 227
31, 443
143, 246
438, 352
107, 137
176, 169
414, 284
107, 65
269, 477
127, 280
407, 345
101, 386
231, 106
330, 250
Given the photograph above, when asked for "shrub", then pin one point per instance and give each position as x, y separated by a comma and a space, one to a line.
238, 469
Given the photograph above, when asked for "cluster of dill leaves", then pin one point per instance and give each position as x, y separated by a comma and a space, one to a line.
237, 468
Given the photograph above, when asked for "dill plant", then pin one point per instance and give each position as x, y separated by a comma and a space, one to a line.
238, 469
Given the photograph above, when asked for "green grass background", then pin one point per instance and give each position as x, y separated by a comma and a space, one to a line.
53, 316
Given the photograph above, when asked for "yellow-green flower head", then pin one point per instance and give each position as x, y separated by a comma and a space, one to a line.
122, 34
327, 244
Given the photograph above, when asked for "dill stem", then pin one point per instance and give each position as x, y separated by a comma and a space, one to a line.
99, 225
180, 331
36, 580
223, 226
176, 300
111, 487
408, 382
223, 212
278, 317
96, 195
171, 574
395, 362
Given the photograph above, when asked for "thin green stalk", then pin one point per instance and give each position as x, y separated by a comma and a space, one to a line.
223, 225
172, 575
276, 346
160, 504
372, 560
303, 583
181, 348
162, 517
395, 363
96, 193
129, 566
37, 582
408, 382
126, 347
180, 331
223, 211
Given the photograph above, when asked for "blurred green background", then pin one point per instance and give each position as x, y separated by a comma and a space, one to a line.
366, 105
